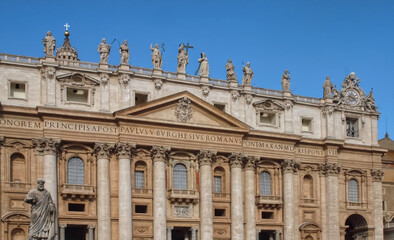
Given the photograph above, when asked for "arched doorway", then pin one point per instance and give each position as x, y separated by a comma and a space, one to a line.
357, 228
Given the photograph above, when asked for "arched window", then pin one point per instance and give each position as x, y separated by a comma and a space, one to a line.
218, 180
307, 186
353, 190
75, 171
18, 234
265, 183
139, 174
180, 176
18, 168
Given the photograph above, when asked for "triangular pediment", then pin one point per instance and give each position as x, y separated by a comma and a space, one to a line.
182, 108
78, 79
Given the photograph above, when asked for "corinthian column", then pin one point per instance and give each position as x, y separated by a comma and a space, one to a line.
250, 218
159, 156
237, 217
332, 170
48, 147
289, 167
124, 152
205, 159
102, 151
377, 177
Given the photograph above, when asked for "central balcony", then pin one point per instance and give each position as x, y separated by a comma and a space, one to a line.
269, 201
77, 192
183, 195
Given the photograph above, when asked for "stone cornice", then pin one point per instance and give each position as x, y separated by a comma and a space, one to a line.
250, 163
330, 169
125, 150
159, 153
377, 175
236, 160
103, 150
46, 146
290, 166
206, 157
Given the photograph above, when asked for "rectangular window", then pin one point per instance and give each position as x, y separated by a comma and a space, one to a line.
217, 184
306, 125
220, 212
18, 90
267, 215
140, 209
139, 180
220, 106
74, 207
140, 98
77, 95
268, 118
352, 127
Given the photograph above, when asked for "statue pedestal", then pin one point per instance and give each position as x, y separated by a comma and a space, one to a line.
124, 67
248, 87
181, 75
233, 83
103, 66
328, 100
157, 71
287, 94
49, 59
204, 79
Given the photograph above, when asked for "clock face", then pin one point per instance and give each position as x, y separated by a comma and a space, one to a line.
351, 97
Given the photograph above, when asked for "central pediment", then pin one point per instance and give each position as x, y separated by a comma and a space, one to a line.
182, 108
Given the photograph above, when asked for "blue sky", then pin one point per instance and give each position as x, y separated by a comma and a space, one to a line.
311, 38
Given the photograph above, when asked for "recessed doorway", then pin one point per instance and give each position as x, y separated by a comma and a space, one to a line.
75, 232
179, 233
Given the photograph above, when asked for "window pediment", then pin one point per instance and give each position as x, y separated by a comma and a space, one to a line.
269, 105
77, 79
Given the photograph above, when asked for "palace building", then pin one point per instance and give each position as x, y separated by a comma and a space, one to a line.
136, 153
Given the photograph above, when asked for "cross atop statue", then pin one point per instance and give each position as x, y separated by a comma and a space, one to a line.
67, 26
187, 46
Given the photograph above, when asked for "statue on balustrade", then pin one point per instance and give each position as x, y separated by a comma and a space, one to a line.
204, 65
157, 59
124, 53
327, 88
183, 59
49, 44
248, 75
286, 81
231, 75
104, 50
43, 213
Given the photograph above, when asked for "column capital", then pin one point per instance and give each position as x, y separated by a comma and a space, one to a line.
125, 150
102, 150
91, 226
63, 225
206, 157
47, 146
1, 140
159, 153
330, 169
250, 162
290, 166
377, 175
236, 160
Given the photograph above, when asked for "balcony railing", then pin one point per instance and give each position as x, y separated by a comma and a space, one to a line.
356, 205
75, 191
269, 201
142, 191
221, 195
308, 201
183, 195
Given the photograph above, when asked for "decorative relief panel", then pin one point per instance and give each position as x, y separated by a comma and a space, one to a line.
182, 210
183, 110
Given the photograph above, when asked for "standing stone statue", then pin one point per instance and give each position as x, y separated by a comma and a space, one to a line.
370, 102
104, 50
286, 81
248, 75
231, 75
183, 59
327, 88
43, 213
49, 44
336, 96
156, 57
204, 66
124, 53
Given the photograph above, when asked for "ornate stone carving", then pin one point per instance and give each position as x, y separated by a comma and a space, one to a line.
182, 211
369, 102
288, 104
47, 146
327, 110
183, 110
205, 91
231, 75
78, 79
49, 44
236, 159
48, 73
330, 168
104, 49
250, 162
248, 98
124, 53
159, 153
104, 77
327, 88
290, 166
286, 81
1, 140
377, 174
235, 95
248, 75
269, 105
124, 79
157, 60
158, 84
220, 231
125, 150
206, 157
141, 229
103, 150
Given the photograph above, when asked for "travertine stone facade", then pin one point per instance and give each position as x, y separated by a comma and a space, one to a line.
135, 153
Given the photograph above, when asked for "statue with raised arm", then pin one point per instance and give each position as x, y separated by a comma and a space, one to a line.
156, 57
204, 65
231, 75
104, 50
286, 81
248, 75
124, 53
370, 102
327, 88
49, 44
183, 59
43, 213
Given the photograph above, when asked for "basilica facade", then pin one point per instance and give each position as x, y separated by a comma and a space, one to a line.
135, 153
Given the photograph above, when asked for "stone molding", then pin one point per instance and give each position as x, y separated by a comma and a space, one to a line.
103, 150
290, 166
250, 163
377, 174
125, 150
159, 153
236, 160
330, 169
46, 146
206, 157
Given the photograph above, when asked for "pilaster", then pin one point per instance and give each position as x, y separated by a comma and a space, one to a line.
237, 218
250, 204
377, 177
